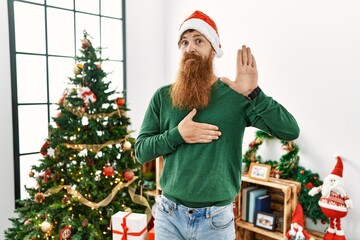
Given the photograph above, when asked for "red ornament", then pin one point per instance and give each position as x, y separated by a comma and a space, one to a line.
302, 172
65, 233
85, 43
309, 185
108, 171
120, 101
39, 197
315, 178
43, 149
128, 175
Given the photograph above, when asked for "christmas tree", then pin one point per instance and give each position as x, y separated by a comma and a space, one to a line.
88, 171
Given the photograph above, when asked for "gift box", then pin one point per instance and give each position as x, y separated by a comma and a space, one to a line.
151, 234
129, 226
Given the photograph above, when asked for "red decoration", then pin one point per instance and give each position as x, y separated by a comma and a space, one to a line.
120, 101
39, 197
65, 233
302, 172
309, 185
125, 232
297, 226
85, 43
334, 202
43, 149
46, 175
128, 175
108, 171
31, 174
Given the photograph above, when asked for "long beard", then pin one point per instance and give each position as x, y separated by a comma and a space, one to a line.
192, 87
337, 187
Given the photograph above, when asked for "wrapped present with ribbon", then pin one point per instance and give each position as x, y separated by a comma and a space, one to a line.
151, 234
129, 226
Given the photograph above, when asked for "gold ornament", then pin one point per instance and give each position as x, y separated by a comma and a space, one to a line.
46, 226
126, 146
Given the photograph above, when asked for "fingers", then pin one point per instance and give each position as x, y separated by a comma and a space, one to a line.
196, 132
245, 57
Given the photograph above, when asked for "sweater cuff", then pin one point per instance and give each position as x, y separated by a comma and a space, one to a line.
175, 138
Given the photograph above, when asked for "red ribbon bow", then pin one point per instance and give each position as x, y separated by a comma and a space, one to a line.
125, 232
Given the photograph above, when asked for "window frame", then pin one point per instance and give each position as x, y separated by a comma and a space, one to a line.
14, 81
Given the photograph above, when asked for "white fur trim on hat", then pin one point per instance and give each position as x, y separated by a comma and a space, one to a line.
205, 29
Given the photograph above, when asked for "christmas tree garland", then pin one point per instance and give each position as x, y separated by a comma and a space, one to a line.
288, 168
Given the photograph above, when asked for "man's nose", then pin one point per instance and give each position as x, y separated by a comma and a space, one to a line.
190, 48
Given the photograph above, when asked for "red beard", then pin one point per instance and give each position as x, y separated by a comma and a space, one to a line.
192, 87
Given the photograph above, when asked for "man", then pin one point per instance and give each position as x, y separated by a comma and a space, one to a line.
197, 125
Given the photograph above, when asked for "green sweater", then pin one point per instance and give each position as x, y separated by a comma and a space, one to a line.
207, 174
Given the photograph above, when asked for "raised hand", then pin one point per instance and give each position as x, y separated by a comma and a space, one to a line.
194, 132
246, 73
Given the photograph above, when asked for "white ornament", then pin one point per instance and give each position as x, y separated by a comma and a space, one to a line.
85, 121
46, 226
126, 145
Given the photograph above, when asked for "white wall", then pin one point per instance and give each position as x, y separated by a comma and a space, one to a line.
145, 54
307, 54
6, 141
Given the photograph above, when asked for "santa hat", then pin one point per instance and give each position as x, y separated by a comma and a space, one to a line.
202, 23
338, 169
298, 216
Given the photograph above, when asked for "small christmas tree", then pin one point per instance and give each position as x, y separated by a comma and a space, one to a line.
287, 167
88, 171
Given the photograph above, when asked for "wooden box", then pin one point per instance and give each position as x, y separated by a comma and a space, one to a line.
284, 200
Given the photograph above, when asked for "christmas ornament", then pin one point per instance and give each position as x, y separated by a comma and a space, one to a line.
77, 69
126, 145
43, 149
309, 185
334, 202
46, 226
39, 197
108, 170
46, 175
65, 233
31, 173
85, 222
27, 222
297, 227
86, 94
129, 175
120, 101
85, 43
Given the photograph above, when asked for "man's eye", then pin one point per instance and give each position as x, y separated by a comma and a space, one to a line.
198, 41
184, 43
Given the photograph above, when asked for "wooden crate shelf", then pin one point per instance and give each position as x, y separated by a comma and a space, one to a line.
286, 191
288, 201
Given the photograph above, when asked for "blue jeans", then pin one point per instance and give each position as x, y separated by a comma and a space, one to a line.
174, 222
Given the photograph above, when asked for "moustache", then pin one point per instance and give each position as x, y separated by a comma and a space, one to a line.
191, 55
